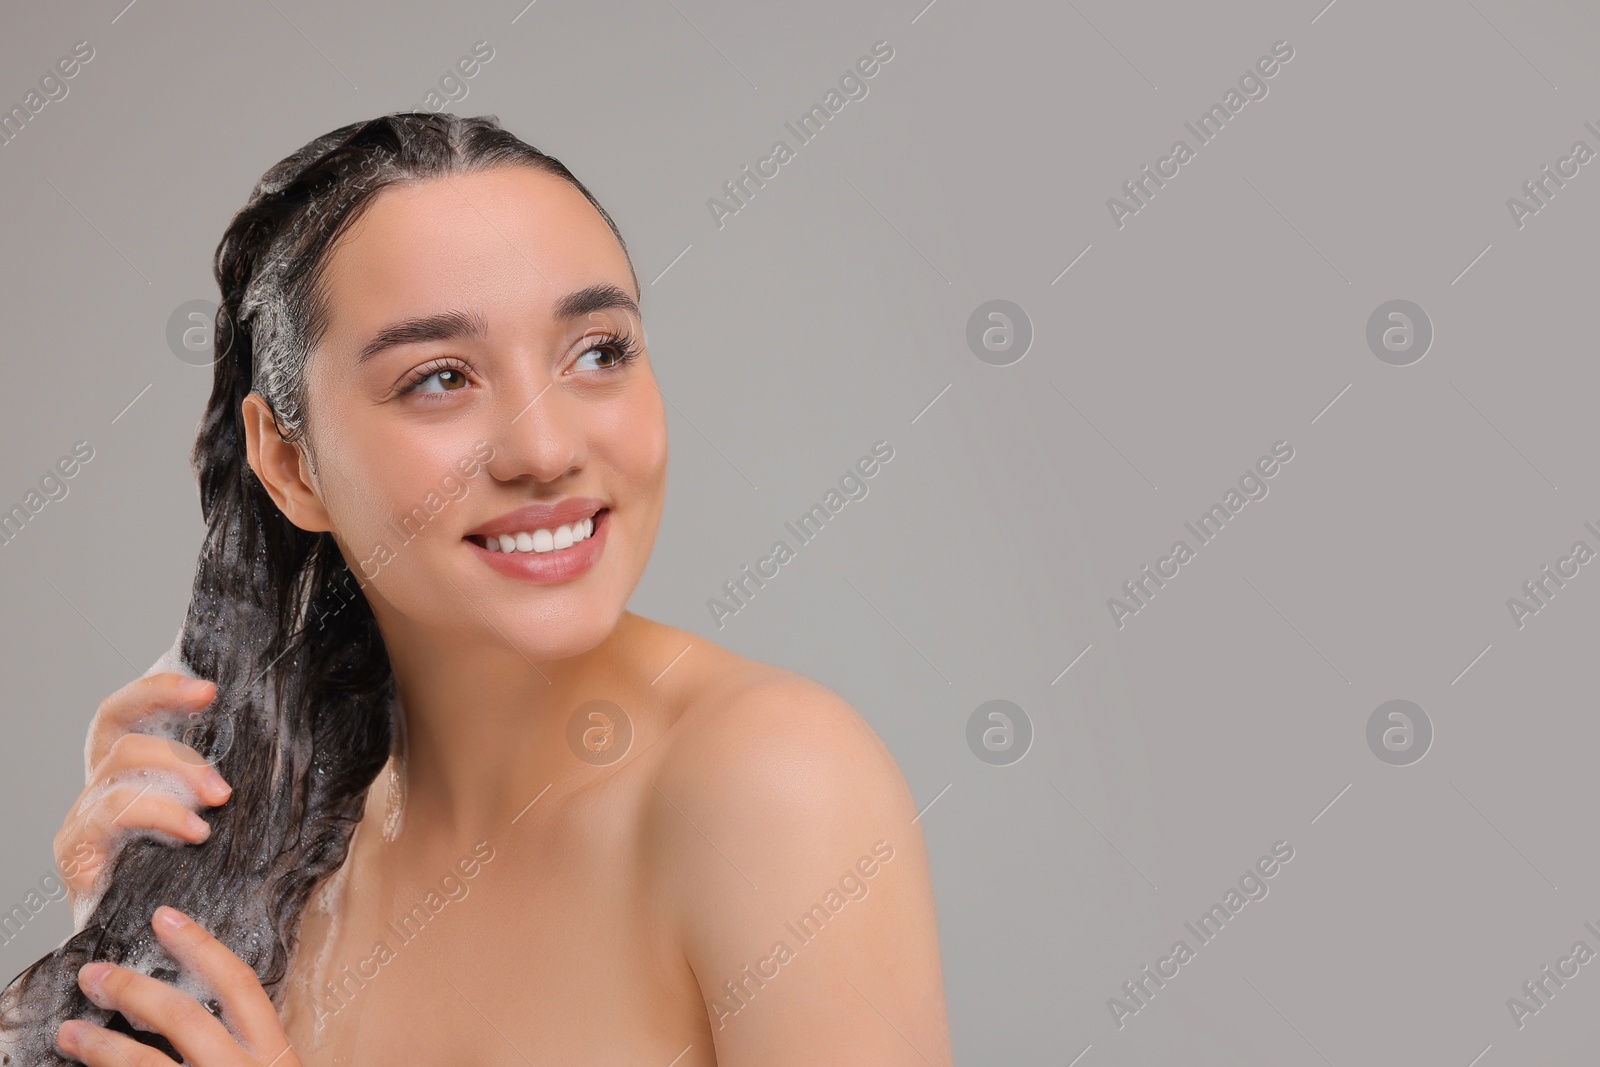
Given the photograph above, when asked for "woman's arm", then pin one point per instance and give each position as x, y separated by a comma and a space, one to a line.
801, 885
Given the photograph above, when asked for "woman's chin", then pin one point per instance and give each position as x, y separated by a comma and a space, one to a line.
563, 635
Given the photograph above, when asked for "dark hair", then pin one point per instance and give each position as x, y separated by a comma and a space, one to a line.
301, 725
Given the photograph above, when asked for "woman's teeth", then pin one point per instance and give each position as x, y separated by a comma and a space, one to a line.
541, 540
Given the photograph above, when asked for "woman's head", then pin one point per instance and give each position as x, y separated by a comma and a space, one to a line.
308, 458
474, 312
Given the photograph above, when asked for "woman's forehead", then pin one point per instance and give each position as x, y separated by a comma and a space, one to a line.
510, 237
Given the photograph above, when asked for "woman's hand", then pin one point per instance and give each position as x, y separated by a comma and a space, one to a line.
154, 1005
118, 797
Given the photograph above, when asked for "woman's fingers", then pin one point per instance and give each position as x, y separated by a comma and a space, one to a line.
138, 699
131, 805
152, 1005
245, 1005
129, 779
89, 837
146, 752
99, 1047
132, 789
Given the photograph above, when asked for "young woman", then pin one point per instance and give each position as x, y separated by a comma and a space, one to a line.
475, 810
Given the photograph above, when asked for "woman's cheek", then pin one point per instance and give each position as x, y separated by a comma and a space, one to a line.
429, 503
641, 435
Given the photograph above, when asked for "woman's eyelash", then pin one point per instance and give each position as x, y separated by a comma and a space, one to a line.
428, 370
624, 346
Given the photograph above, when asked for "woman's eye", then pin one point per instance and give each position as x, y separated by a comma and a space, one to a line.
611, 352
449, 378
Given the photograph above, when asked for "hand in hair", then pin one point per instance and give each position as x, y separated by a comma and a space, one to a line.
253, 1034
121, 796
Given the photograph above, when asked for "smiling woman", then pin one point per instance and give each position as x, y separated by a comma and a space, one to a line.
405, 292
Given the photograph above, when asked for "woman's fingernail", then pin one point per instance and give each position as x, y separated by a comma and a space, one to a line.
216, 785
195, 686
90, 975
67, 1037
198, 826
170, 918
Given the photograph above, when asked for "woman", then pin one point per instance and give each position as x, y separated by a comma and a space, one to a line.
479, 811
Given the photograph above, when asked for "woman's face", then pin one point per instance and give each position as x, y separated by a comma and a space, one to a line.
426, 436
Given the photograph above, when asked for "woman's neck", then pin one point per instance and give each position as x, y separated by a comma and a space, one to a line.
482, 730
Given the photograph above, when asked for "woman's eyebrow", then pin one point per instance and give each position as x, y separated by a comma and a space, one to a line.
450, 325
594, 298
444, 326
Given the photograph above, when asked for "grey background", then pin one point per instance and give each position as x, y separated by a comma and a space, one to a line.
832, 312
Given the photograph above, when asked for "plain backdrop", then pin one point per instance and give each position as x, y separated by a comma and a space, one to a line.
833, 309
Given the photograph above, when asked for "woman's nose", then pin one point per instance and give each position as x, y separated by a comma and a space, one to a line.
540, 437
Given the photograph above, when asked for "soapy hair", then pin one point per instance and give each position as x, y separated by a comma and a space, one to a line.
303, 720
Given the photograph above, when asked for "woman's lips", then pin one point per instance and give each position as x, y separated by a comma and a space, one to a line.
557, 565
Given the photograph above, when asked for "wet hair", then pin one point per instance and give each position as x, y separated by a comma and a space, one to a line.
302, 722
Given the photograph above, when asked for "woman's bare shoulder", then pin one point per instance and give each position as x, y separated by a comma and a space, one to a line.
740, 716
774, 759
778, 811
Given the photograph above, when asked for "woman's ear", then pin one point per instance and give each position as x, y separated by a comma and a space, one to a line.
282, 468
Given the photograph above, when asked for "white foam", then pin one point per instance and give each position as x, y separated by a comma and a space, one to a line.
327, 899
170, 723
170, 660
162, 783
173, 724
395, 791
152, 956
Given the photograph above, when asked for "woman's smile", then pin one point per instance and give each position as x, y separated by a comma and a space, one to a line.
533, 543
